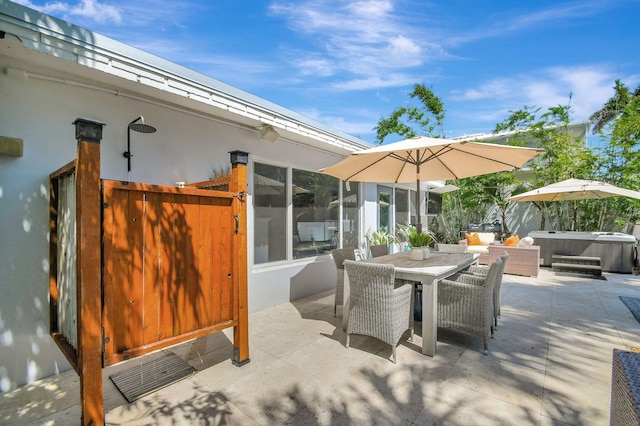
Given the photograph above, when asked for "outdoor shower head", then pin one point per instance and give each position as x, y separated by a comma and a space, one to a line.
137, 125
141, 127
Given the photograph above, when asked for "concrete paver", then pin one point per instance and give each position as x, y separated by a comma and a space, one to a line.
549, 364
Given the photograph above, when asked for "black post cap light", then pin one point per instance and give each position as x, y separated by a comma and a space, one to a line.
89, 130
239, 157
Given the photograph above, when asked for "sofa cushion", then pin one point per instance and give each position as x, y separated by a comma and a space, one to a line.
478, 249
486, 238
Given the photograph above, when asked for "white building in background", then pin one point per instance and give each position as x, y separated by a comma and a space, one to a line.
52, 72
523, 218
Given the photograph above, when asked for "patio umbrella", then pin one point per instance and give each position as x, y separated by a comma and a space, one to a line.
425, 158
575, 189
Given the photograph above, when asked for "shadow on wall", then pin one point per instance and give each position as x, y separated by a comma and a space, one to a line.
27, 353
523, 218
313, 278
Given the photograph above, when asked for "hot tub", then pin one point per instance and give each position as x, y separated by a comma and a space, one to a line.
615, 249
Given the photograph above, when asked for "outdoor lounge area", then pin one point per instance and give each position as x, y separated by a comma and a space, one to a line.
549, 363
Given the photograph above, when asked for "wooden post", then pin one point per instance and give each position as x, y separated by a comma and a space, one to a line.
89, 246
238, 186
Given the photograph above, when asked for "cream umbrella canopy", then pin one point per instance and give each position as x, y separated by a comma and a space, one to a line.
575, 189
424, 158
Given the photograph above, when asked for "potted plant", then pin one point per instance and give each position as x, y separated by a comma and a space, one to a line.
381, 237
420, 242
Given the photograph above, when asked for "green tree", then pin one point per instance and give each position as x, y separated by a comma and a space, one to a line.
618, 160
424, 119
564, 155
614, 107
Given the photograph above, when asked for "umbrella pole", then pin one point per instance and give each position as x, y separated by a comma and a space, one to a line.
418, 218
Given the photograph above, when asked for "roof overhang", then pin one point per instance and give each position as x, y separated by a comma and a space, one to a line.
69, 54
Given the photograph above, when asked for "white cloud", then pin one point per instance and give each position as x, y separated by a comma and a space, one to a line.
92, 9
315, 66
359, 123
589, 87
364, 40
376, 82
556, 13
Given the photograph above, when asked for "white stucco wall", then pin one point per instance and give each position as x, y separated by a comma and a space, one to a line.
186, 147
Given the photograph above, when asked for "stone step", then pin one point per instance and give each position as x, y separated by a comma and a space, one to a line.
577, 267
589, 260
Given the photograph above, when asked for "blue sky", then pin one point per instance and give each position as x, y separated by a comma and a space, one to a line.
347, 64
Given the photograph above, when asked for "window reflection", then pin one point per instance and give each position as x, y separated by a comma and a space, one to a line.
384, 208
270, 213
315, 213
402, 206
350, 217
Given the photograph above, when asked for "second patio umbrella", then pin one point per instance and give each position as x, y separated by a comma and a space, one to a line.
424, 158
575, 189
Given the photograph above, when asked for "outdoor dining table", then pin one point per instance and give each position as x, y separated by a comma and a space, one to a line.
428, 272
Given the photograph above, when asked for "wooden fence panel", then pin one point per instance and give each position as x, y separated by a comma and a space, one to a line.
167, 266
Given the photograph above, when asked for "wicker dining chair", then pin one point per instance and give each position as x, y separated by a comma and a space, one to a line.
379, 250
466, 303
482, 270
339, 256
452, 248
376, 307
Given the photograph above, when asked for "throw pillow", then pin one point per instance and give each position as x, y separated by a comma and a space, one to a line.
474, 240
512, 241
525, 242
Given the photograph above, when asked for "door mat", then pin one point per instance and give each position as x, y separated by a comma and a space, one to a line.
148, 377
633, 303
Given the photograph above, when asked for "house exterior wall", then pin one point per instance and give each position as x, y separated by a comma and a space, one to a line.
184, 148
52, 73
39, 107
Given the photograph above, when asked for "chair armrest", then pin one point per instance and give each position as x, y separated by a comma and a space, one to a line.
481, 270
451, 291
467, 279
402, 295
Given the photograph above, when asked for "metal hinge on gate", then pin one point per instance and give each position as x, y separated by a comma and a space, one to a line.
240, 195
105, 340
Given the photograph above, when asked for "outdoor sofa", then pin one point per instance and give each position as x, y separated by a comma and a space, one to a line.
522, 260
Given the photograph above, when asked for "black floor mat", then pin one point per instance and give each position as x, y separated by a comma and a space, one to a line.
148, 377
633, 303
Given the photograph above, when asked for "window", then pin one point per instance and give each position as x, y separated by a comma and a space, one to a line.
315, 213
385, 200
270, 213
350, 214
434, 204
402, 206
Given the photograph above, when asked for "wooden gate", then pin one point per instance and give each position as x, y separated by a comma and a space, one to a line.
141, 267
167, 266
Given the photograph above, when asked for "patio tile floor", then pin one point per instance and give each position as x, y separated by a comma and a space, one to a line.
549, 364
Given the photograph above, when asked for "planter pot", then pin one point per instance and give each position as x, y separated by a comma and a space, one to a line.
426, 252
416, 253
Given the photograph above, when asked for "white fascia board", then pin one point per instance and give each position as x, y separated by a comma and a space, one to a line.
582, 128
49, 35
